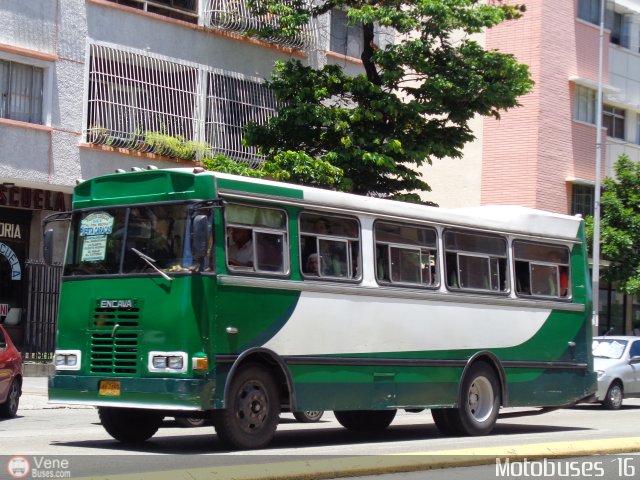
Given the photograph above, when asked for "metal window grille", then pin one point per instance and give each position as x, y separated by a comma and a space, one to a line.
21, 92
582, 200
237, 16
133, 95
186, 10
233, 102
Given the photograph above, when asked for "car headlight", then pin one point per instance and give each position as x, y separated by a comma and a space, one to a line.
168, 362
67, 359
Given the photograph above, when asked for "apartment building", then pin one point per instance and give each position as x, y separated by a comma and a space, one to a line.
91, 86
543, 154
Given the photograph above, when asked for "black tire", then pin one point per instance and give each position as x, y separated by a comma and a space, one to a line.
479, 401
365, 420
252, 415
614, 396
308, 416
9, 408
190, 422
445, 420
129, 425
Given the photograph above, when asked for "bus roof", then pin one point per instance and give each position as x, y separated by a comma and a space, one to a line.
503, 218
163, 185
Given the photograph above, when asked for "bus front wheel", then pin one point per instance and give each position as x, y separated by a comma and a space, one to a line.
129, 425
365, 420
252, 414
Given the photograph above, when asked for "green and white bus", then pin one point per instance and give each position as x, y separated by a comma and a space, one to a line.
199, 294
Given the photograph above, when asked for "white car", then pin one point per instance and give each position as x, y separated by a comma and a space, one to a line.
616, 359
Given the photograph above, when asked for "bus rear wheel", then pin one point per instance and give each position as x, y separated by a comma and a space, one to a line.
365, 420
479, 402
251, 417
130, 425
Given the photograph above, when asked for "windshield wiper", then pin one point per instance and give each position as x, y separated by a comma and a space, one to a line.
150, 261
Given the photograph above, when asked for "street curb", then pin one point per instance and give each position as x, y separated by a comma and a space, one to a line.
309, 469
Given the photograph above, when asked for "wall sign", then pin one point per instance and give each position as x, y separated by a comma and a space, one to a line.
10, 230
34, 198
12, 258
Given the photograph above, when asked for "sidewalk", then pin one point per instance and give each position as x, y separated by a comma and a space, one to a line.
35, 396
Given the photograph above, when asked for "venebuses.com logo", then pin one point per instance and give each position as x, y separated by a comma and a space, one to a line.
18, 467
38, 467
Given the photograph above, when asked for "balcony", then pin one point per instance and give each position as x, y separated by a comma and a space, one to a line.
236, 16
227, 15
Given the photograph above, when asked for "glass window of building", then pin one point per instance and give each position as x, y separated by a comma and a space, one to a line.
21, 89
589, 10
613, 119
585, 105
345, 39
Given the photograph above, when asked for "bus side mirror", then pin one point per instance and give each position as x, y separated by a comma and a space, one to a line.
199, 236
47, 246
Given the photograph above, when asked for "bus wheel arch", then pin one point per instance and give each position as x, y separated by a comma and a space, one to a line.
273, 363
496, 365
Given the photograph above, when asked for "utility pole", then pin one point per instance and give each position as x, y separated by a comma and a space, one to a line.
596, 197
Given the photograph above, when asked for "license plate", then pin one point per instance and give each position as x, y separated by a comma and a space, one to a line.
109, 388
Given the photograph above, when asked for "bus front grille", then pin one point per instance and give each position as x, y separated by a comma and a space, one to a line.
114, 353
109, 317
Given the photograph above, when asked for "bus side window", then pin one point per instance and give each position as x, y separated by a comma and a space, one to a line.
329, 246
406, 254
542, 270
476, 261
256, 239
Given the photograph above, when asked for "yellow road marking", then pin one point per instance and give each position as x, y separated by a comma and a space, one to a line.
310, 469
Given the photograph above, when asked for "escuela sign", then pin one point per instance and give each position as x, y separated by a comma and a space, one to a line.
34, 198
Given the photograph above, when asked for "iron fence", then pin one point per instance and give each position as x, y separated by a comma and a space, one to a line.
43, 291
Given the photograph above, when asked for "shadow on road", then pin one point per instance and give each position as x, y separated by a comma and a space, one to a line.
194, 444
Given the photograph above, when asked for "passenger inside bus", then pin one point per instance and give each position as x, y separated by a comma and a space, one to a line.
240, 247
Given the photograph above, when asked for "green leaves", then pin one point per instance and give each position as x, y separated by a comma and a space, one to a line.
620, 225
411, 104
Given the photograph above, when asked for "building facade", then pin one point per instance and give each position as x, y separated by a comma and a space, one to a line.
543, 153
91, 86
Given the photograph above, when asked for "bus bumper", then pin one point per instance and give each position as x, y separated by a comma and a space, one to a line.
147, 393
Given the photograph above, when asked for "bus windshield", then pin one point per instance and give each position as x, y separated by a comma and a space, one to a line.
117, 240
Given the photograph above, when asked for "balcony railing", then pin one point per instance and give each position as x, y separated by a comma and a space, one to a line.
146, 103
237, 16
228, 15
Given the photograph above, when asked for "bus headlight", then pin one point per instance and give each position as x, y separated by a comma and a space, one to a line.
170, 362
67, 359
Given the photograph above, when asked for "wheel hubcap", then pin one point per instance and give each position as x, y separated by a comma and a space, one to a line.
253, 407
480, 402
616, 396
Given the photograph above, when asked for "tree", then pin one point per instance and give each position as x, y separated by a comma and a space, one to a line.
414, 101
620, 225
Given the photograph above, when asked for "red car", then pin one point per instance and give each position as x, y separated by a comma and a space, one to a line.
10, 376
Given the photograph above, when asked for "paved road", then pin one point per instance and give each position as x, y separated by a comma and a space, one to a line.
299, 450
